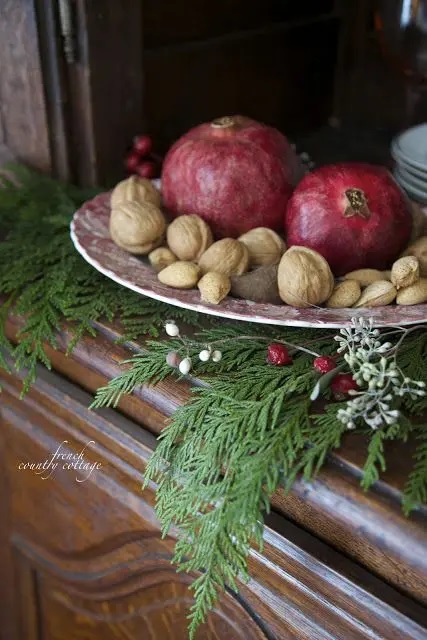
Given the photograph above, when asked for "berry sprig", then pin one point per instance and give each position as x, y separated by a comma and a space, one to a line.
371, 385
184, 365
141, 160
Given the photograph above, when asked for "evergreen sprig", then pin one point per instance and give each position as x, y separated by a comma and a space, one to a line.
45, 281
248, 430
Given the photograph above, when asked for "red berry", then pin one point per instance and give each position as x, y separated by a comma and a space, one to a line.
132, 162
142, 145
324, 364
146, 169
343, 383
278, 355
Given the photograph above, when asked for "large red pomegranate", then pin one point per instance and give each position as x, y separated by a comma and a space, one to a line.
354, 214
234, 172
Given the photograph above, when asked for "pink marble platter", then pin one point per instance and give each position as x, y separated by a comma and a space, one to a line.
91, 237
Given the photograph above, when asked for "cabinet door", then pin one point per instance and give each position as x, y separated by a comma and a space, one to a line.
71, 88
81, 553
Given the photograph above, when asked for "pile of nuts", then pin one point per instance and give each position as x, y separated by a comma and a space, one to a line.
257, 266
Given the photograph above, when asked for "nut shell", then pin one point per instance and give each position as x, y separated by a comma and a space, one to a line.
405, 271
304, 277
137, 227
377, 294
345, 294
135, 188
189, 236
264, 245
180, 275
227, 256
259, 285
214, 287
415, 294
161, 258
419, 250
365, 277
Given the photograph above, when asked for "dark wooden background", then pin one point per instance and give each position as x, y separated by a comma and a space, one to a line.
162, 67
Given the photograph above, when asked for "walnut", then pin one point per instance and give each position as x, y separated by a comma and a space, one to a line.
180, 275
161, 258
214, 287
137, 227
304, 277
227, 256
264, 245
135, 188
189, 236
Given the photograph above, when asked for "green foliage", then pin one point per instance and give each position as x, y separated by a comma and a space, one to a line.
241, 437
46, 281
248, 430
416, 488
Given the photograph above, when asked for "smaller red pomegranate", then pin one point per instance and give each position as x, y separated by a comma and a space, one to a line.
355, 215
234, 172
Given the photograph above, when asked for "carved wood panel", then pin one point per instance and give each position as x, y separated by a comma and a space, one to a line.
89, 561
87, 553
86, 602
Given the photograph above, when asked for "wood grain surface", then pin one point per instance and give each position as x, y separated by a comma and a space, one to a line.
22, 100
368, 527
88, 561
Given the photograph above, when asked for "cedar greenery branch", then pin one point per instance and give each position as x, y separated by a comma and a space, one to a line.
250, 428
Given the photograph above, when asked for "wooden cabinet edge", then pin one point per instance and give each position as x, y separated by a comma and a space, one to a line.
291, 585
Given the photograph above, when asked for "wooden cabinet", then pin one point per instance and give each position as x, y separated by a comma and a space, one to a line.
82, 558
84, 549
158, 67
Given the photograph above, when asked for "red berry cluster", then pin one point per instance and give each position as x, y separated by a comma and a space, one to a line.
341, 384
141, 160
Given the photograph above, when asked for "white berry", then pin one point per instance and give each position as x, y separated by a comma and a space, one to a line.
172, 329
204, 355
216, 356
185, 366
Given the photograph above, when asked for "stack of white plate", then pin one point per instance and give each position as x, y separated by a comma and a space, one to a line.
409, 150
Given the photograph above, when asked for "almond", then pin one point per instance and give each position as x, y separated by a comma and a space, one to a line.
419, 250
345, 294
161, 258
364, 277
405, 271
214, 287
414, 294
377, 294
180, 275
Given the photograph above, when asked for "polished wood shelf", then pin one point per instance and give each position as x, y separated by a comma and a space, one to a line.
338, 560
